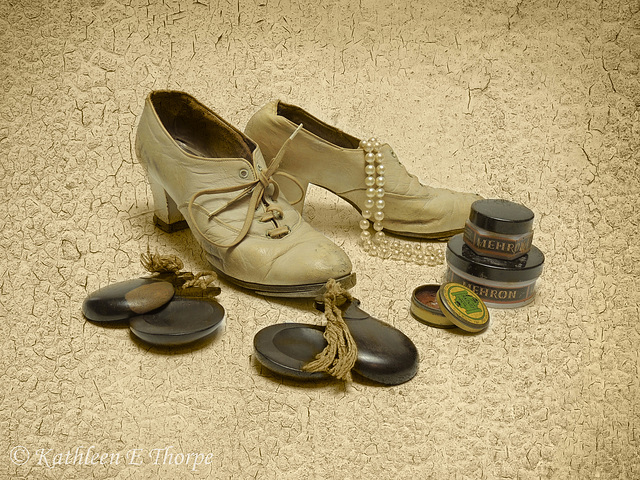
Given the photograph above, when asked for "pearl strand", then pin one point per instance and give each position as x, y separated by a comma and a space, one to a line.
377, 244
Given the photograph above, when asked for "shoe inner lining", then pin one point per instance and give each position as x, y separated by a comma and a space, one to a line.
197, 130
317, 127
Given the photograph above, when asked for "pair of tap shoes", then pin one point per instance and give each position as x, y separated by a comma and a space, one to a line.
242, 194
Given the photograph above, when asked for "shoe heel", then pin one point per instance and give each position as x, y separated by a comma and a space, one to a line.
166, 216
291, 190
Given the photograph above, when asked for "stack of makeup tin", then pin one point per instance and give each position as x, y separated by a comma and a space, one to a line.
495, 256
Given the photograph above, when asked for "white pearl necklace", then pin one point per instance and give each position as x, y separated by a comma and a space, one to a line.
377, 244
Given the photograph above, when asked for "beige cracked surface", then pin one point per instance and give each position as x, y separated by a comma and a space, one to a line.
536, 102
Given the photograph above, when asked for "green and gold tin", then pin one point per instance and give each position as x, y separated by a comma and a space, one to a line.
463, 307
448, 306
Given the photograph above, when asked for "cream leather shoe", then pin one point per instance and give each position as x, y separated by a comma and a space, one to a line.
366, 174
205, 171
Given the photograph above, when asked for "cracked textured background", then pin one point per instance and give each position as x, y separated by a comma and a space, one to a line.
533, 101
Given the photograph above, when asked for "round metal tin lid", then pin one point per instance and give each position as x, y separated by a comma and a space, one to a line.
463, 307
501, 216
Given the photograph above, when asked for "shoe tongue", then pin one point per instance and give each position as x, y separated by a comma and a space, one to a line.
258, 161
260, 165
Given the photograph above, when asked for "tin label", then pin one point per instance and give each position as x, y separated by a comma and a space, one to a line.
494, 294
464, 304
497, 246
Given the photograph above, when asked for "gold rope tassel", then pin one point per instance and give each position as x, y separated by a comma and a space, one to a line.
341, 352
156, 263
168, 267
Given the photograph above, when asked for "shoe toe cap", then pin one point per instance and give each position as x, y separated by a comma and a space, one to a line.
302, 257
309, 262
444, 211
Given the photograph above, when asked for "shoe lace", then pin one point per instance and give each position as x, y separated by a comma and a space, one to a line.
257, 189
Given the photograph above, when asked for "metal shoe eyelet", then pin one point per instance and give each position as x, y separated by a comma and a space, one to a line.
244, 173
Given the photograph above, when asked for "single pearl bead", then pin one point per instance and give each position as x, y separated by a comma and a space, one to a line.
370, 158
380, 192
370, 181
364, 224
380, 181
373, 140
365, 236
379, 236
378, 216
377, 226
379, 157
418, 247
381, 169
371, 192
368, 204
366, 214
370, 169
376, 144
363, 143
368, 146
380, 204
